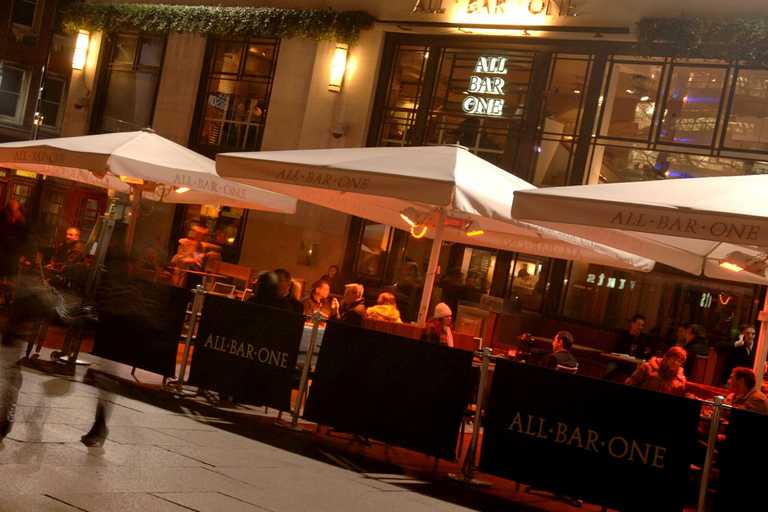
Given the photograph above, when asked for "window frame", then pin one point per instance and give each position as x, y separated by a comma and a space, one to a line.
106, 67
22, 103
207, 74
36, 17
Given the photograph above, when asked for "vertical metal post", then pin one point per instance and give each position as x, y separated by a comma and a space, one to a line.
434, 261
711, 440
305, 370
197, 307
468, 469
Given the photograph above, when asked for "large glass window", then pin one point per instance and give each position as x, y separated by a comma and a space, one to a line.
628, 105
712, 121
480, 96
692, 105
610, 297
527, 281
405, 89
14, 86
52, 102
561, 118
748, 120
232, 111
132, 75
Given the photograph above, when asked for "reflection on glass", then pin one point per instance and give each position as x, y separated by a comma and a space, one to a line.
374, 245
259, 60
628, 103
151, 52
691, 108
562, 106
125, 50
552, 163
619, 164
609, 297
129, 102
527, 281
234, 109
403, 97
485, 135
53, 92
226, 57
11, 84
748, 122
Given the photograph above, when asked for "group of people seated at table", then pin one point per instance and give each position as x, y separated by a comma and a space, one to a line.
351, 309
666, 374
276, 289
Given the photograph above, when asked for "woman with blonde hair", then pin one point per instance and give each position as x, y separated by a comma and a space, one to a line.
385, 309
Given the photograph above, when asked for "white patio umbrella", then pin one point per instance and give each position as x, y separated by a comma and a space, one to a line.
441, 192
715, 227
143, 160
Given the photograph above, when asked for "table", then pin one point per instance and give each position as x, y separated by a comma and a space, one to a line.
622, 358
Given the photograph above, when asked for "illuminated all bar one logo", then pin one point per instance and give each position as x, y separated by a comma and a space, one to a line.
486, 87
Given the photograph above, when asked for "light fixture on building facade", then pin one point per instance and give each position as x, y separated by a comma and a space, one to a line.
80, 55
338, 67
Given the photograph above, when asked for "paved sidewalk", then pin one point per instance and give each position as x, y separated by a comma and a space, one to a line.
157, 460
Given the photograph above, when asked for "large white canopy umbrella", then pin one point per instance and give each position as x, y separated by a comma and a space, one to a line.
716, 227
442, 192
143, 160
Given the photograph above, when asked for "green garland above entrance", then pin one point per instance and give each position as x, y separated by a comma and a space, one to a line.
317, 24
732, 39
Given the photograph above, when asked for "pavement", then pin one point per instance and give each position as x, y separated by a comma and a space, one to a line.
170, 459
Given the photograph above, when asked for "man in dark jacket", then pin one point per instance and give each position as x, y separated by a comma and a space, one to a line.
632, 341
285, 290
561, 357
695, 345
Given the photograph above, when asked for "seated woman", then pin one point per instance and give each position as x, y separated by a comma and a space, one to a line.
352, 309
438, 329
385, 309
662, 374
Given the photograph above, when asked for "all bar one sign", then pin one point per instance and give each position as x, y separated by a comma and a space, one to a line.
486, 87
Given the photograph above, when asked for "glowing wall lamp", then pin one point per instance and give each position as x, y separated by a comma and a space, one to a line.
81, 50
338, 67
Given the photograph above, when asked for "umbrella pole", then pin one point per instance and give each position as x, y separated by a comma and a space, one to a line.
434, 259
762, 343
135, 209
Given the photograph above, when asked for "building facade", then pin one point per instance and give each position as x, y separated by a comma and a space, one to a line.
555, 91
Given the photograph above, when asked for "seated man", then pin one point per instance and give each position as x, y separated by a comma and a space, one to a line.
69, 252
561, 357
744, 393
662, 374
66, 267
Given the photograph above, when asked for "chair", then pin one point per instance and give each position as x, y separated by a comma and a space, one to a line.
220, 288
573, 370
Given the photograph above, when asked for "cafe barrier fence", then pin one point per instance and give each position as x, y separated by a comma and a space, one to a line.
142, 331
610, 444
389, 388
247, 351
606, 443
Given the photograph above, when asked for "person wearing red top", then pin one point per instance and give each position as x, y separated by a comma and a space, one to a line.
662, 374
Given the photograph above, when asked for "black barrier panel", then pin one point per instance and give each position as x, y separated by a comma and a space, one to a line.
140, 324
741, 459
247, 351
389, 388
610, 444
